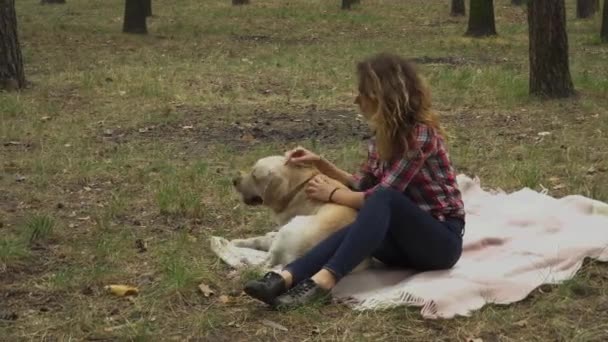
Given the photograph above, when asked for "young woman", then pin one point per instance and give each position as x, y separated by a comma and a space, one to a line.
411, 213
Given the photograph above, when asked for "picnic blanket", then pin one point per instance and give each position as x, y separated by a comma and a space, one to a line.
514, 242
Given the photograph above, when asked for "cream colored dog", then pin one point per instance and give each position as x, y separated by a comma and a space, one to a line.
303, 222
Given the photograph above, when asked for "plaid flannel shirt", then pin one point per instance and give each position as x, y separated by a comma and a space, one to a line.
425, 174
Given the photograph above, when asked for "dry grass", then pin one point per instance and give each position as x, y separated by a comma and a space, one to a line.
126, 141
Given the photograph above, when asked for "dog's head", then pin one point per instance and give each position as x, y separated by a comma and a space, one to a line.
270, 181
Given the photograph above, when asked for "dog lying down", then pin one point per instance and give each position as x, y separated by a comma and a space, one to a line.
303, 222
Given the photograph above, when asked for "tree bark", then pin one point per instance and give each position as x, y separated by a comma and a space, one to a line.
518, 2
347, 4
148, 7
548, 39
481, 18
135, 17
240, 2
604, 30
11, 62
52, 1
458, 8
585, 8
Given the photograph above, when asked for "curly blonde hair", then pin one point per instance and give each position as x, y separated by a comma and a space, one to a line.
403, 100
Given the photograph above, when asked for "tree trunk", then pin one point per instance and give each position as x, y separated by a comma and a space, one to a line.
604, 31
481, 18
458, 8
347, 4
52, 1
548, 39
240, 2
11, 61
518, 2
148, 7
135, 17
585, 8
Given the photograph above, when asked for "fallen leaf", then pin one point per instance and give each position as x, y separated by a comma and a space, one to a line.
558, 186
224, 299
122, 290
275, 325
141, 245
206, 290
523, 323
248, 137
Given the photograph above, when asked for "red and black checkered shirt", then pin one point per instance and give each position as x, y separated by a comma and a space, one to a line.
425, 175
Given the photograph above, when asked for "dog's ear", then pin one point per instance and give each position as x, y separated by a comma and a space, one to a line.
276, 188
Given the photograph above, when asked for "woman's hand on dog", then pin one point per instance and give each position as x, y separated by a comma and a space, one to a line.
319, 188
300, 155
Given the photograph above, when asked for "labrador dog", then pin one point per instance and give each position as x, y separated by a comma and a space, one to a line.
302, 222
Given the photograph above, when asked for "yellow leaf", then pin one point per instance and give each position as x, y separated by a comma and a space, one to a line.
122, 290
205, 289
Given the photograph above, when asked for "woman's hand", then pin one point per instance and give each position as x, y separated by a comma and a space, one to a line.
319, 188
300, 155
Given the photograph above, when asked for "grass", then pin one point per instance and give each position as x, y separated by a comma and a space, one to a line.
124, 138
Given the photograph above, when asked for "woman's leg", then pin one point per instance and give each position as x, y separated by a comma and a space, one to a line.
312, 261
273, 284
422, 241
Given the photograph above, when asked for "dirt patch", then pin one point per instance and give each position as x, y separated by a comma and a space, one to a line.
457, 60
260, 38
259, 127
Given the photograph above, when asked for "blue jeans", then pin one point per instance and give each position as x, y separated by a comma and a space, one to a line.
394, 230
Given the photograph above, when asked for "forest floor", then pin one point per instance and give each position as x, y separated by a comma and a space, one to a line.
116, 160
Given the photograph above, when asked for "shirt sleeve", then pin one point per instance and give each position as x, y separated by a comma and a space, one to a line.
402, 171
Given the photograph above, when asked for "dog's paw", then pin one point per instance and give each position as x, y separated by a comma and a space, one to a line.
240, 242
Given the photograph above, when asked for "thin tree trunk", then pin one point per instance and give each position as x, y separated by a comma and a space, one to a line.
148, 7
481, 18
458, 8
240, 2
585, 8
52, 1
347, 4
11, 62
548, 39
604, 30
135, 17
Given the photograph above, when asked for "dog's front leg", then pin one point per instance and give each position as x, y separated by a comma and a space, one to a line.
261, 243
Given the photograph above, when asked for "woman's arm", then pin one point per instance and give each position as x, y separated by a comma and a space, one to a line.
349, 198
332, 171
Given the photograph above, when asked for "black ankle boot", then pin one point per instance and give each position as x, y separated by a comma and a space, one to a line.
307, 291
267, 288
